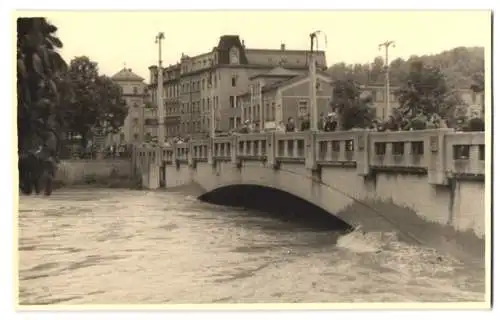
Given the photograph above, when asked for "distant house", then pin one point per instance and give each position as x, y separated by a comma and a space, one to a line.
274, 96
134, 92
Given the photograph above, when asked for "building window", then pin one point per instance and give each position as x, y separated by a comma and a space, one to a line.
474, 97
203, 84
302, 108
233, 81
136, 105
136, 136
232, 103
135, 90
234, 56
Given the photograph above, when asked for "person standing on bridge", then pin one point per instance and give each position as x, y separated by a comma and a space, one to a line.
331, 123
306, 123
290, 125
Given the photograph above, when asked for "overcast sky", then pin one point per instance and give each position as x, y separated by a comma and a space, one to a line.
112, 39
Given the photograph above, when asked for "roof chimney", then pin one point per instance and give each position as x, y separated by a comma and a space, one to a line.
243, 43
283, 47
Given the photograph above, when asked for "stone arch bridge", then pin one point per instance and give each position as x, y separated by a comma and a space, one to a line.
421, 182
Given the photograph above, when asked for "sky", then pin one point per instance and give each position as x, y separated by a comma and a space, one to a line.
117, 39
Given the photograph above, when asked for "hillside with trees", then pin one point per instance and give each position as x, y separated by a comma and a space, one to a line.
462, 68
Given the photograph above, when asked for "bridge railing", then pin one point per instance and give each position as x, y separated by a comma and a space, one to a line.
199, 150
465, 154
336, 148
404, 150
181, 152
254, 146
290, 147
441, 153
223, 148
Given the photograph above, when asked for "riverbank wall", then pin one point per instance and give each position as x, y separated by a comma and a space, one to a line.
106, 173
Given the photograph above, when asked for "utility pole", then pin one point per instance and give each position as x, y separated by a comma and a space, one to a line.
386, 45
312, 82
160, 112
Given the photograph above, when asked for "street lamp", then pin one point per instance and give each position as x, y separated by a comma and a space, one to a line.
386, 45
160, 114
312, 74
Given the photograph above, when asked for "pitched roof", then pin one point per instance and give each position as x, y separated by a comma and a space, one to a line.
278, 72
126, 75
225, 44
298, 77
278, 84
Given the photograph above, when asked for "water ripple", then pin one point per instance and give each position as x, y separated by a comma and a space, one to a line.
121, 246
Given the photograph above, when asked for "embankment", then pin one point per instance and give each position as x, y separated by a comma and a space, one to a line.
107, 173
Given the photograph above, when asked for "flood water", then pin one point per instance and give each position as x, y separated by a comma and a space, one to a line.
87, 246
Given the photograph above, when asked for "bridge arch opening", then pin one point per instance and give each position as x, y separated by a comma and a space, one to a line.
277, 204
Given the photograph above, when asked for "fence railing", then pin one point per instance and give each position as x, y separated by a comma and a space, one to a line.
442, 153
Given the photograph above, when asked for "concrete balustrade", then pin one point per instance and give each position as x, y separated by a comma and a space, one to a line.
441, 154
465, 154
253, 146
223, 148
291, 146
199, 150
336, 148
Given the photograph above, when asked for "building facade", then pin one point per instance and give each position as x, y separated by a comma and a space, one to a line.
377, 94
216, 79
274, 97
135, 95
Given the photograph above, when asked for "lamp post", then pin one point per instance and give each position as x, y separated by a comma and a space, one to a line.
386, 45
160, 114
312, 82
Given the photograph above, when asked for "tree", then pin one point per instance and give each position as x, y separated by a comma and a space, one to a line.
459, 66
426, 92
353, 110
97, 103
39, 68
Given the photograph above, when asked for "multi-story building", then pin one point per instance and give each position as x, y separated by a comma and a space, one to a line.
280, 94
377, 93
135, 93
216, 79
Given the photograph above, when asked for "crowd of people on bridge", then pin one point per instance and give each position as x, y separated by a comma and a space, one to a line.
331, 123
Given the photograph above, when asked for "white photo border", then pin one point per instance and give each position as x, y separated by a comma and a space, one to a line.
8, 143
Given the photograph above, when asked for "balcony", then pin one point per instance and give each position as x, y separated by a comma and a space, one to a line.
172, 119
150, 122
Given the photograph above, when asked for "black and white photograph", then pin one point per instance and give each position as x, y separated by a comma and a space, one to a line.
172, 158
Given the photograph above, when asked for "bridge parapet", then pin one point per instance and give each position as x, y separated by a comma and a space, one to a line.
440, 153
466, 154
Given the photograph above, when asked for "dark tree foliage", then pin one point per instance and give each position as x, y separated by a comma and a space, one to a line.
353, 110
39, 73
97, 103
460, 66
426, 93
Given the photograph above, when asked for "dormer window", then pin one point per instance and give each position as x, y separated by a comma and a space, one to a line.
234, 56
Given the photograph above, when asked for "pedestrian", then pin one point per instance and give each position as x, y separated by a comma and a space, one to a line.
306, 123
290, 125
